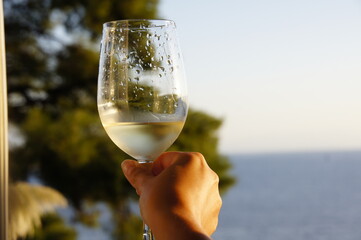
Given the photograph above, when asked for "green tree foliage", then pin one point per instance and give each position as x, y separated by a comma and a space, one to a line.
52, 59
53, 228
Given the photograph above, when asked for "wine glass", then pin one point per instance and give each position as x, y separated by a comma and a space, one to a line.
142, 95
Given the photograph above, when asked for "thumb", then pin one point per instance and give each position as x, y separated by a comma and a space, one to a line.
137, 174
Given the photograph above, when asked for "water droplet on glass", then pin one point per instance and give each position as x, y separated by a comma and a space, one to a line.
152, 58
160, 75
169, 62
171, 69
136, 78
137, 71
162, 68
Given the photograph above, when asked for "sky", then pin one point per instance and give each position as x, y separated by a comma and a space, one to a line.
284, 75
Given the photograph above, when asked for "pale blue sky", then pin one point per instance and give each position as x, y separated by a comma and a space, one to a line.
285, 75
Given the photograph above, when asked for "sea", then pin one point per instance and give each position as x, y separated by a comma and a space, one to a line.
286, 196
298, 196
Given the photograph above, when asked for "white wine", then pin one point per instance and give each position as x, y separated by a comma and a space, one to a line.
144, 140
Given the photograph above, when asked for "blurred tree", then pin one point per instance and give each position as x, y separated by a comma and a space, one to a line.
53, 228
52, 59
27, 204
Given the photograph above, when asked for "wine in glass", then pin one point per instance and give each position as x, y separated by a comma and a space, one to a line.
142, 95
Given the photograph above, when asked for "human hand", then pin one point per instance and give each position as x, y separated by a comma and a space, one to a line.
179, 197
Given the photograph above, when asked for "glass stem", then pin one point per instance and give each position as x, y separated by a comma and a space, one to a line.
147, 232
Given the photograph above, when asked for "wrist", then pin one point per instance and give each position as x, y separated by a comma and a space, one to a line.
178, 227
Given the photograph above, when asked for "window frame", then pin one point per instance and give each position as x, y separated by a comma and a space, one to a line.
4, 153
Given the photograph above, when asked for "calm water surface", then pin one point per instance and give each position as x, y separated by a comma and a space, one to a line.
306, 196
